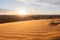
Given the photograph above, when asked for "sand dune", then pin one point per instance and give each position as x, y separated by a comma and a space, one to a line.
30, 30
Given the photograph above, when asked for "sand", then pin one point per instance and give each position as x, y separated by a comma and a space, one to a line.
30, 30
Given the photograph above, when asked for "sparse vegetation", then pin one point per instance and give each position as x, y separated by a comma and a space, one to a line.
13, 18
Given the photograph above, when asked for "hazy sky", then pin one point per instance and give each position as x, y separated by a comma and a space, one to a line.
33, 6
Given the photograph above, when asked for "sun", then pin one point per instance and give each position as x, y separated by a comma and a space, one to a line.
21, 12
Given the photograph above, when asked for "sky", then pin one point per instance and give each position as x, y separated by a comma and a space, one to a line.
38, 7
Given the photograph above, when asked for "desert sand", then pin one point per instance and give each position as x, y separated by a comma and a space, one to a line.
30, 30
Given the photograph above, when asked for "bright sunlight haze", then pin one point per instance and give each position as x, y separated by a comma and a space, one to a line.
21, 12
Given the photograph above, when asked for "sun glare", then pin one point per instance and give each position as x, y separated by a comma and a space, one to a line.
21, 12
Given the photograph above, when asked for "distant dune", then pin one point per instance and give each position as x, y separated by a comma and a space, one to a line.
30, 30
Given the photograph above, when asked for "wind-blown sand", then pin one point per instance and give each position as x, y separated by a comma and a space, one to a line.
30, 30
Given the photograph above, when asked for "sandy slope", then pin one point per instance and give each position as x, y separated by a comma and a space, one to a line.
30, 30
